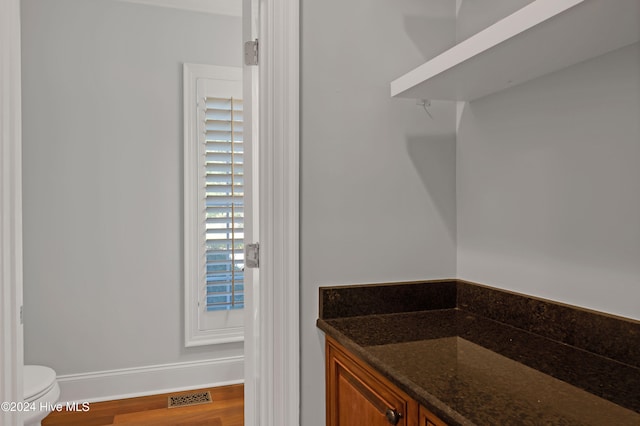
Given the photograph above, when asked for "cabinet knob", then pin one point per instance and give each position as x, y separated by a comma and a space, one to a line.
393, 417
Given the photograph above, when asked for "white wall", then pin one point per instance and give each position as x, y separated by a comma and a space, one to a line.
474, 16
102, 95
377, 174
548, 186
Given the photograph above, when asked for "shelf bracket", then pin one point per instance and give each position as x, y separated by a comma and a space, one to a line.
424, 103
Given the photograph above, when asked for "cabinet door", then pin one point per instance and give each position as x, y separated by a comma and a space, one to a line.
358, 396
427, 418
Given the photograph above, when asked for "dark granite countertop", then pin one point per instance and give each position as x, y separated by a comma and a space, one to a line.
472, 370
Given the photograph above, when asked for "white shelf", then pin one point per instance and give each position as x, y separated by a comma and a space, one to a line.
542, 37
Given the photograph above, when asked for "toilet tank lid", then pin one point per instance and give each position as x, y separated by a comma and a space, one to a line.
36, 379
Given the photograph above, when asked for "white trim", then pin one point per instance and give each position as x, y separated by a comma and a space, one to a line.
215, 7
11, 330
150, 380
279, 343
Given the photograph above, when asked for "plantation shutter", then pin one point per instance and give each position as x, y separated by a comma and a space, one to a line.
214, 211
223, 288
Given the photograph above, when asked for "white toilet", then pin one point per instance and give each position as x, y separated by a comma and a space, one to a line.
40, 389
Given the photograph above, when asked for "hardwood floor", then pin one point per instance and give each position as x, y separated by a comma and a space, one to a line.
227, 409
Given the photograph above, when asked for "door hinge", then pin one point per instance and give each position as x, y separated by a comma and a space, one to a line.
251, 52
252, 255
21, 317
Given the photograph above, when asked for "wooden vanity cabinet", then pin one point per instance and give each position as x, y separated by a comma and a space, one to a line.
427, 418
357, 395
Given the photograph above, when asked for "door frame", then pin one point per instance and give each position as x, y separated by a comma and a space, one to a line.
276, 358
11, 330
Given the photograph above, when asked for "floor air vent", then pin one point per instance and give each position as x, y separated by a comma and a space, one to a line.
190, 399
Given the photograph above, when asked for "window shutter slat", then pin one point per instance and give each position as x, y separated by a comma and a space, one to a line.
224, 204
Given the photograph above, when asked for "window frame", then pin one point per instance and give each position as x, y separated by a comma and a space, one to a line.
224, 326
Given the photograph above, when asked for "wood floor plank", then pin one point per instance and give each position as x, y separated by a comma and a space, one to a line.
227, 409
164, 418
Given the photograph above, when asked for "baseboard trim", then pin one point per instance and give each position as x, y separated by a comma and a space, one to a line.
149, 380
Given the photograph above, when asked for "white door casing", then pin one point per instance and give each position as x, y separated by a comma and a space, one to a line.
272, 371
11, 339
